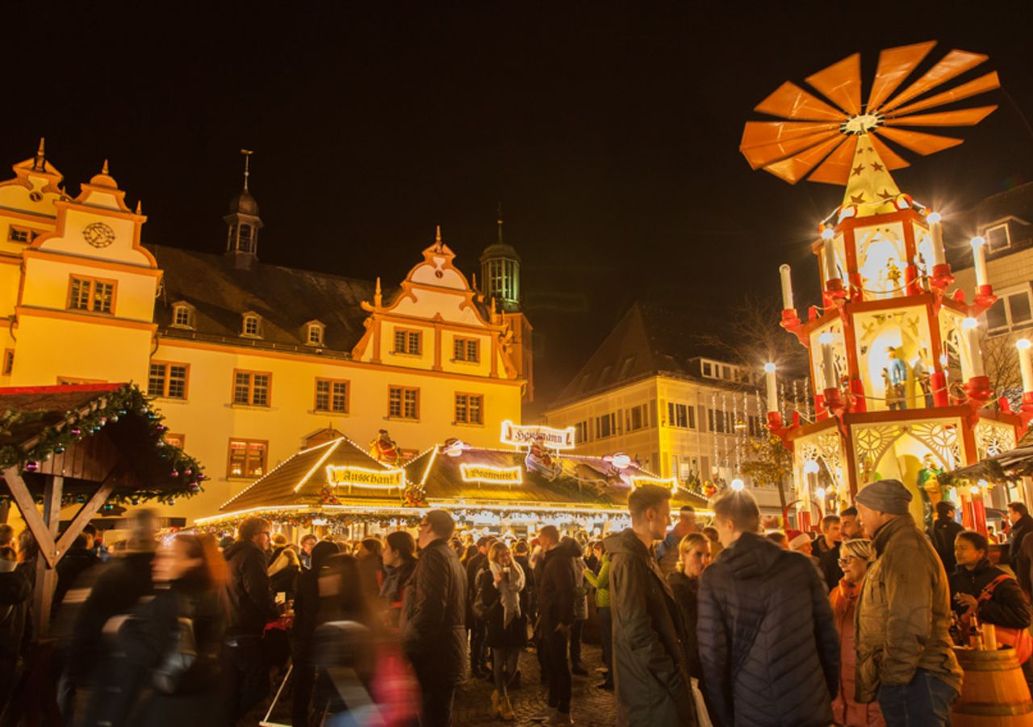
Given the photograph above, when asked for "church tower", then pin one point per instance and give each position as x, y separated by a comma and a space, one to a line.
500, 276
243, 223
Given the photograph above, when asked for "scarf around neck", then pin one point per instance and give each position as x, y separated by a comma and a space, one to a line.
509, 590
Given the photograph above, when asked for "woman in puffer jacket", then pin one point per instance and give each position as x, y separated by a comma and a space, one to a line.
854, 558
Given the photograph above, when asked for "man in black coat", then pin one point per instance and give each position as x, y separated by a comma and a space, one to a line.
650, 650
826, 550
767, 639
943, 533
555, 580
476, 626
434, 635
252, 606
1021, 526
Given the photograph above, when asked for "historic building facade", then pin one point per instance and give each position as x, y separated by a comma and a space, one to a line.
249, 361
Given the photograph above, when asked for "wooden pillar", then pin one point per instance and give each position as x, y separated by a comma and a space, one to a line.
5, 510
46, 573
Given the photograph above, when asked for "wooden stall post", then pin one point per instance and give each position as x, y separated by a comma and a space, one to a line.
46, 573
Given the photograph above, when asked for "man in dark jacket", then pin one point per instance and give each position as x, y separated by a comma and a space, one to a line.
767, 638
1021, 526
943, 532
555, 579
650, 652
14, 602
434, 634
251, 605
826, 550
475, 625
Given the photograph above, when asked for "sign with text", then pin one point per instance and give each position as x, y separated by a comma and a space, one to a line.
670, 483
363, 477
524, 435
489, 475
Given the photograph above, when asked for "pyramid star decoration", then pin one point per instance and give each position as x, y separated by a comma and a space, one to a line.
824, 141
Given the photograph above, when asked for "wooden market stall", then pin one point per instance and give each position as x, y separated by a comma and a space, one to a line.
82, 445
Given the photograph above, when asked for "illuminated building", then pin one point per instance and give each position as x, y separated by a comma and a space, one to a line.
248, 361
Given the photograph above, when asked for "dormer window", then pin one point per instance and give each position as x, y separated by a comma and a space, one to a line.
252, 327
183, 315
314, 331
997, 237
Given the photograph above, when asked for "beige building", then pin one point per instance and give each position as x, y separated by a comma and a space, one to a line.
249, 361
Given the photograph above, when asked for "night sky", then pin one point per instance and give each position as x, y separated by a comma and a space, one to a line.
609, 132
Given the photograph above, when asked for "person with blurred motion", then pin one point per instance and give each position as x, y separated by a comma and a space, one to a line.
168, 648
577, 563
556, 592
306, 618
667, 550
434, 635
684, 582
475, 563
251, 606
371, 566
905, 658
943, 533
501, 604
399, 564
79, 559
15, 591
601, 583
649, 641
982, 590
854, 558
767, 640
826, 549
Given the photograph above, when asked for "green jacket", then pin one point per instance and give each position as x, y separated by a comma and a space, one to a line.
601, 582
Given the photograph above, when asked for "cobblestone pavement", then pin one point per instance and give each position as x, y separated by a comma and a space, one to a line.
590, 706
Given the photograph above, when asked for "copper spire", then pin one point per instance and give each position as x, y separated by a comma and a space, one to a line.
437, 236
246, 153
39, 163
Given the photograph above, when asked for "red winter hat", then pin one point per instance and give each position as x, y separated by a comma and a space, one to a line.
796, 538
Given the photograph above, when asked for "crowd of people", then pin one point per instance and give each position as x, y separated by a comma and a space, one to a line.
728, 623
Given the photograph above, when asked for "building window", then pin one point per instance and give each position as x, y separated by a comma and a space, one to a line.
1012, 310
244, 235
581, 432
21, 234
167, 380
626, 367
469, 409
403, 402
252, 325
466, 349
8, 361
606, 426
997, 237
332, 396
251, 388
637, 417
314, 334
408, 342
174, 440
182, 316
247, 458
719, 421
604, 375
681, 415
91, 294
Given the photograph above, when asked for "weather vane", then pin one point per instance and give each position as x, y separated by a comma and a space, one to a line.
246, 153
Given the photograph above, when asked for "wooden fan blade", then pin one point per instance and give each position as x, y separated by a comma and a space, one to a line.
961, 117
917, 141
841, 83
890, 158
895, 64
953, 64
792, 102
796, 167
761, 133
758, 156
976, 86
836, 168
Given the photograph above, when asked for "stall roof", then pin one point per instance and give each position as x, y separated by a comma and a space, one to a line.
1006, 466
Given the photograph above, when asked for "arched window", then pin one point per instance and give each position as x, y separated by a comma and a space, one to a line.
245, 238
183, 315
314, 334
252, 325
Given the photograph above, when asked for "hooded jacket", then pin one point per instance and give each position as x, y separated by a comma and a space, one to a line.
250, 595
767, 640
903, 614
649, 641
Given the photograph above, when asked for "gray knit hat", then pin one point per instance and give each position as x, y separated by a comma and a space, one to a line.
889, 496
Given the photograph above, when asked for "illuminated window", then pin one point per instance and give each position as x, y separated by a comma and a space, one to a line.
606, 425
182, 316
407, 342
168, 380
21, 234
91, 294
403, 402
8, 361
247, 458
997, 237
314, 334
466, 349
252, 325
469, 409
251, 388
681, 415
174, 440
637, 418
332, 395
581, 432
1010, 311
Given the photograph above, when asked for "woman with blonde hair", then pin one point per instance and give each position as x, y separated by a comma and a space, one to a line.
501, 602
855, 556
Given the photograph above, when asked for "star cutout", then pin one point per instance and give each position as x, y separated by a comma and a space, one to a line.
857, 198
886, 195
858, 169
876, 167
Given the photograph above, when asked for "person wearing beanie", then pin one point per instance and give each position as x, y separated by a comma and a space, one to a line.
905, 659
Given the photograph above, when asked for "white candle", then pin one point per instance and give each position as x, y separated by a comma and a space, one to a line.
970, 331
830, 260
979, 260
769, 377
936, 229
827, 362
787, 287
1025, 363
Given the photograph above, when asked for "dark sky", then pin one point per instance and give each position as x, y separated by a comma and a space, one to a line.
608, 131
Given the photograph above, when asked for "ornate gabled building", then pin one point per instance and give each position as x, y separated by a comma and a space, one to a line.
248, 361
